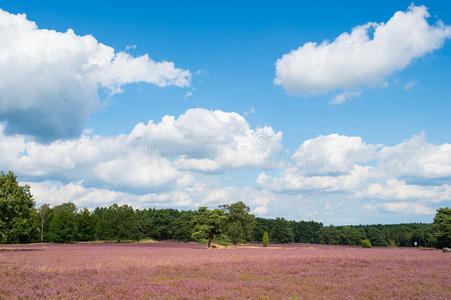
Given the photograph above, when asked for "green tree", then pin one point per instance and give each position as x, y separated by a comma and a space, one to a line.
63, 226
183, 226
330, 235
208, 224
366, 244
265, 239
261, 225
442, 227
118, 223
17, 224
282, 232
161, 224
86, 225
239, 223
376, 236
43, 215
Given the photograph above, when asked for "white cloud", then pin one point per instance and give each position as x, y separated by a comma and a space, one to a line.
142, 168
128, 47
210, 140
341, 173
395, 189
416, 158
191, 197
407, 208
145, 159
348, 166
295, 180
343, 97
357, 58
49, 80
333, 154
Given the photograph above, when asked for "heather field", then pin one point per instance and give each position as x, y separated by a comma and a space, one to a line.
189, 271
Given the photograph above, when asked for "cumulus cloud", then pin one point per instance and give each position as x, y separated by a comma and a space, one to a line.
295, 180
413, 171
414, 158
395, 189
366, 56
407, 208
192, 197
153, 156
335, 170
210, 140
49, 80
333, 153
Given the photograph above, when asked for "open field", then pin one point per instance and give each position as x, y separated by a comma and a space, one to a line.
178, 271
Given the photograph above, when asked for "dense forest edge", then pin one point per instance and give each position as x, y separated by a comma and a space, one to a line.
22, 222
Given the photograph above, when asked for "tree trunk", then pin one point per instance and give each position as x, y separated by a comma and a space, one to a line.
42, 230
209, 242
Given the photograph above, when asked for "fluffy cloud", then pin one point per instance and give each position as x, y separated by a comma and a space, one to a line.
415, 158
145, 159
333, 154
347, 165
49, 80
395, 189
191, 197
334, 171
209, 140
295, 180
407, 208
357, 58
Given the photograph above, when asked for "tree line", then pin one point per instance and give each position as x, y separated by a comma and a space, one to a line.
22, 222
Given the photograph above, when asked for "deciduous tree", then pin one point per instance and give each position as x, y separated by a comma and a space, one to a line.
208, 224
239, 222
17, 223
442, 227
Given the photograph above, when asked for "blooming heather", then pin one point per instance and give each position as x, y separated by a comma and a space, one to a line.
189, 271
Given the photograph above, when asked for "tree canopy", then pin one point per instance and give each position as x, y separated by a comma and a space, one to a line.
18, 217
239, 222
208, 224
442, 227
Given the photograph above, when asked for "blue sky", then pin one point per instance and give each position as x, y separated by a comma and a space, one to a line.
231, 50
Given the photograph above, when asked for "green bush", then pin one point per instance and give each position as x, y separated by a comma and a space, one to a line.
265, 239
366, 244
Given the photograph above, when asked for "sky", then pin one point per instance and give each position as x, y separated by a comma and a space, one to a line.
310, 110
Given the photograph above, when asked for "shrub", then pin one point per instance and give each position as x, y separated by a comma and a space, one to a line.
366, 244
265, 239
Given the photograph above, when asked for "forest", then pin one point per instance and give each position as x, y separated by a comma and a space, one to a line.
22, 222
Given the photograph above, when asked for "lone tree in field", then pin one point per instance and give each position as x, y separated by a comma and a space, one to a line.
17, 213
265, 239
442, 227
239, 223
208, 224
